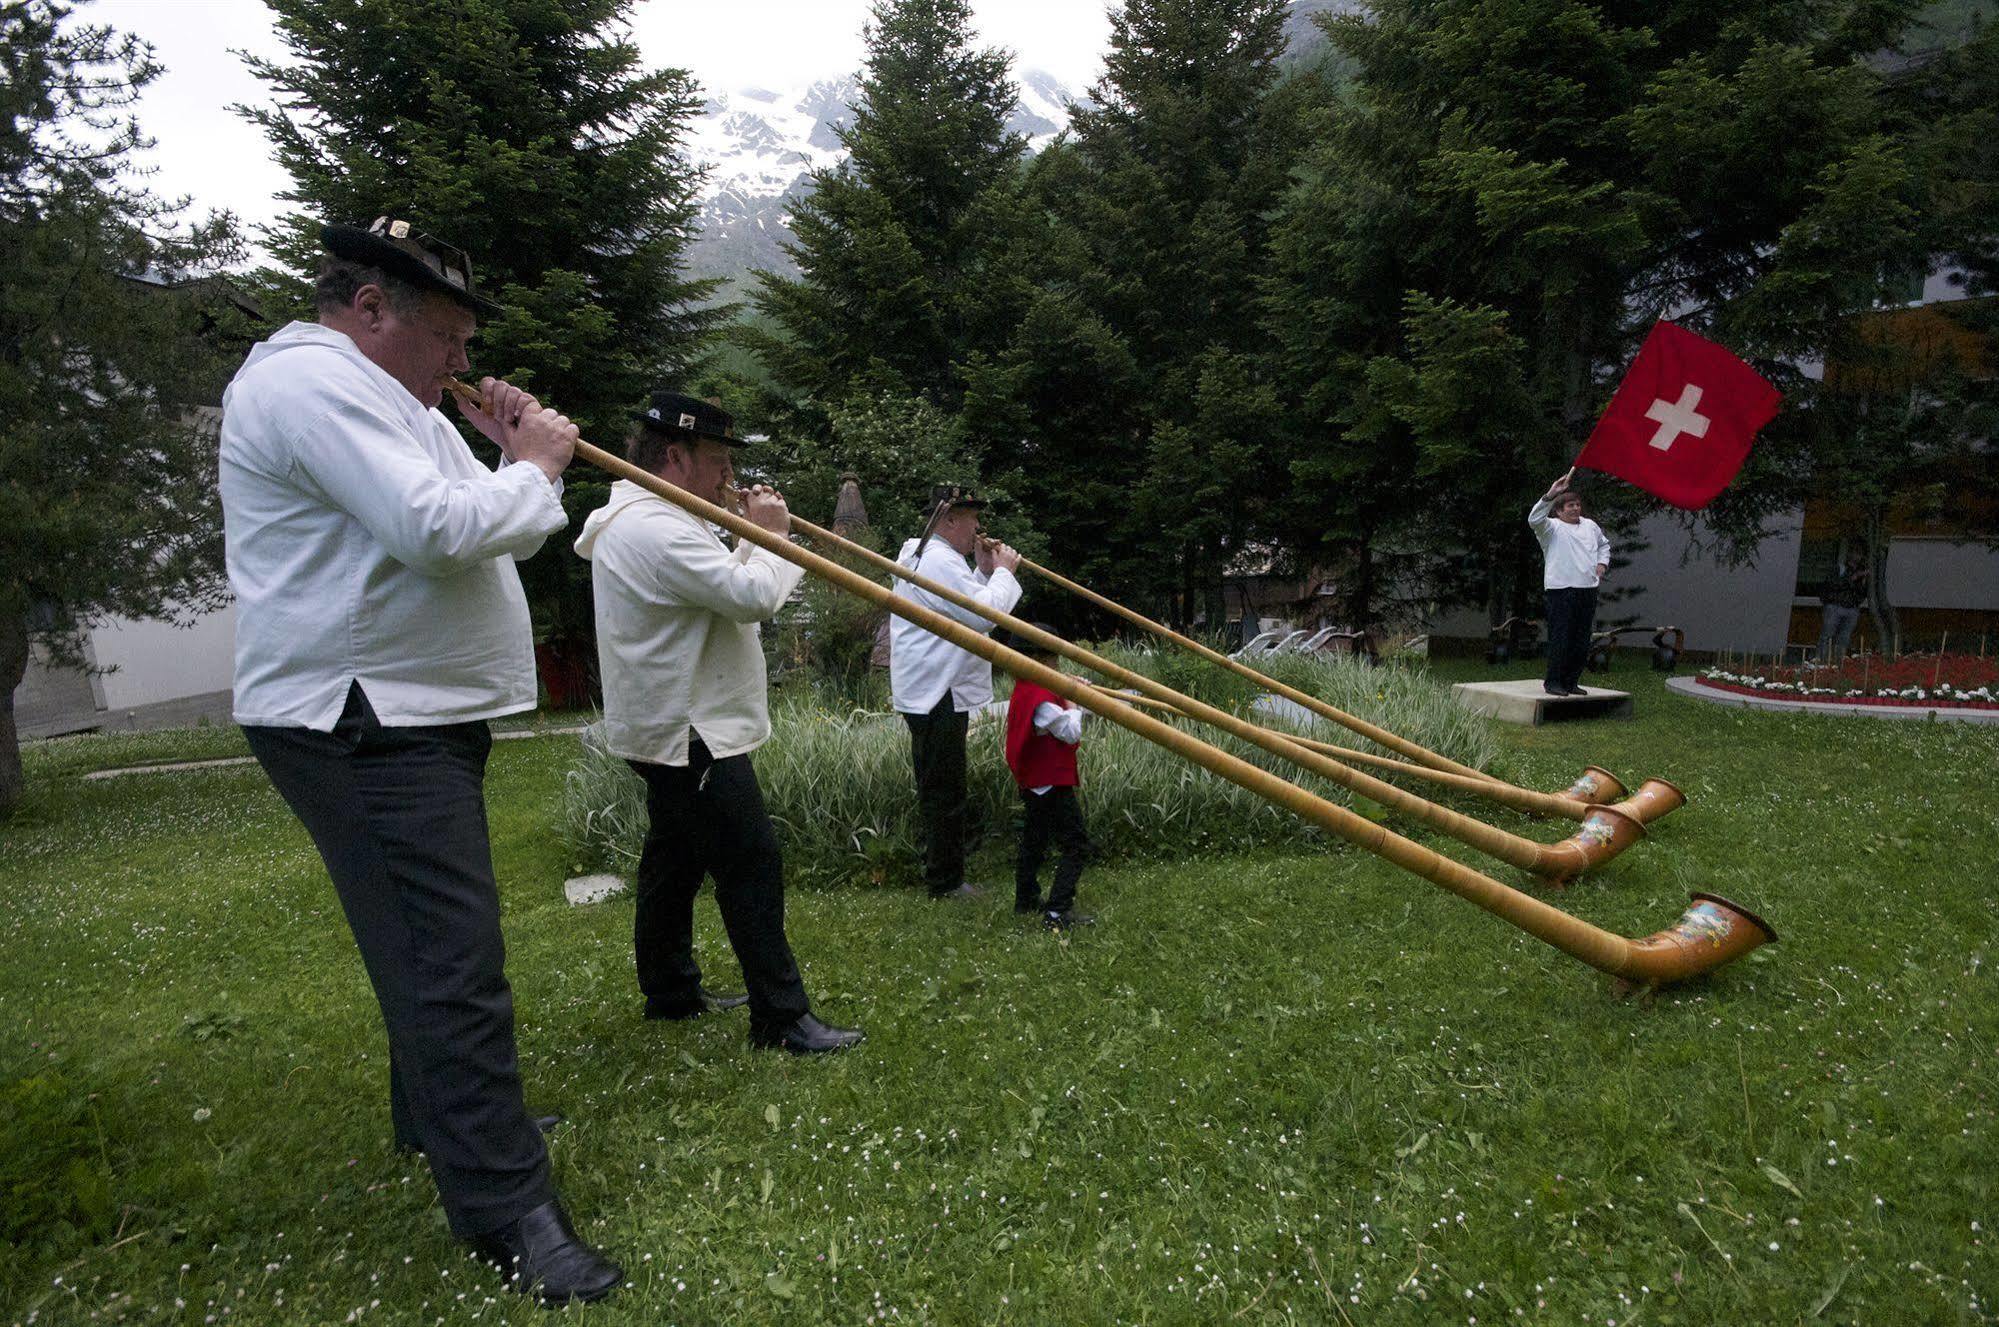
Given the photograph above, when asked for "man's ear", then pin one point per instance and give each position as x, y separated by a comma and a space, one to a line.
369, 304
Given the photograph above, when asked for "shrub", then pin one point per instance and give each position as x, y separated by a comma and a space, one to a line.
839, 786
1404, 699
1399, 697
825, 634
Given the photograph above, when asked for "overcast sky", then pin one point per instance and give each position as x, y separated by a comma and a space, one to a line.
221, 161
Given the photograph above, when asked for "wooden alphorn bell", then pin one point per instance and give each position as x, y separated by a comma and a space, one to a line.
1520, 799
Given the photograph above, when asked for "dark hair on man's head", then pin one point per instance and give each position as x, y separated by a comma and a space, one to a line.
340, 279
1033, 649
646, 447
1566, 497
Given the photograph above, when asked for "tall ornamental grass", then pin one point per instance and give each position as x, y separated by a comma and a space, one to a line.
838, 783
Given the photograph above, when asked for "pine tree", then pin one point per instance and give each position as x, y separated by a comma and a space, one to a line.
1161, 209
898, 287
528, 133
111, 339
1511, 191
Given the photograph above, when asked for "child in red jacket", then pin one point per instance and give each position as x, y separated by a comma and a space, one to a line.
1042, 734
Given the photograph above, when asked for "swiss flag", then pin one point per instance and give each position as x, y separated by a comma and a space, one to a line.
1682, 420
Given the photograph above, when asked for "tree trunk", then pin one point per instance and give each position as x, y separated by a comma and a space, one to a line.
1215, 604
13, 667
1528, 601
1886, 625
1360, 604
1183, 619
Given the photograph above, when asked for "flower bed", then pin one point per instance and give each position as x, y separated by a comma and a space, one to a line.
1960, 680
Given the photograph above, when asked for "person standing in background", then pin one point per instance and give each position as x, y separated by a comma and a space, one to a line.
1842, 599
1574, 556
935, 685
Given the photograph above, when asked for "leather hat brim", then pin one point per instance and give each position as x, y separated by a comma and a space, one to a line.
359, 246
675, 431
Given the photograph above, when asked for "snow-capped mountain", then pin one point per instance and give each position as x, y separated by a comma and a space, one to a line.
760, 147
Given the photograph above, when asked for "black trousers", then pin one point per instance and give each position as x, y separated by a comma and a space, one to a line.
707, 817
1055, 815
937, 749
399, 818
1571, 618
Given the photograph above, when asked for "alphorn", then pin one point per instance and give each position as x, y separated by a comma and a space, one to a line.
1523, 799
1710, 934
1506, 794
1606, 831
1654, 798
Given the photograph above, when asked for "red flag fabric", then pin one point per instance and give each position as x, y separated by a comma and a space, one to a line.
1682, 420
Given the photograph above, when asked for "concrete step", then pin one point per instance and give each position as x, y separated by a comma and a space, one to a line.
1524, 702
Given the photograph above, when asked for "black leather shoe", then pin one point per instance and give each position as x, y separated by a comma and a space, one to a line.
1577, 691
808, 1036
545, 1123
541, 1255
1062, 921
710, 1003
962, 891
1553, 691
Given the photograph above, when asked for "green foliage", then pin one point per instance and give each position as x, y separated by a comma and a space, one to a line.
897, 246
215, 1025
55, 1185
839, 784
895, 445
825, 638
1507, 193
1311, 1074
113, 335
1154, 472
527, 132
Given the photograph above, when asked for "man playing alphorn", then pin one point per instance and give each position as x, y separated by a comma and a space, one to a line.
935, 685
685, 704
379, 625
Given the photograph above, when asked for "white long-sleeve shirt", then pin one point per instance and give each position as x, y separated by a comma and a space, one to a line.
1062, 722
366, 543
923, 667
678, 646
1570, 554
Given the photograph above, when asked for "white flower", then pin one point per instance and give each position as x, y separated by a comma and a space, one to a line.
201, 1113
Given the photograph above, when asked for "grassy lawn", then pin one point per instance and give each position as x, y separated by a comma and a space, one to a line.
1274, 1087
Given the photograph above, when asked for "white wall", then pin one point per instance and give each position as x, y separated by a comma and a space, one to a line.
1938, 573
1719, 607
155, 661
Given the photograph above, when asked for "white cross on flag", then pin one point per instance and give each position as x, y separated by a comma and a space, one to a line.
1682, 420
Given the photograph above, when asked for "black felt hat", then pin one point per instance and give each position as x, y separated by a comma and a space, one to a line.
679, 415
422, 260
955, 495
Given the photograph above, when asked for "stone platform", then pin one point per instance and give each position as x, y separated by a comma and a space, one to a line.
1525, 702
